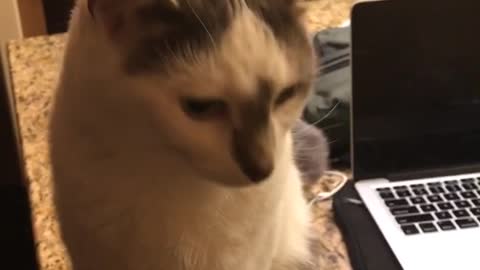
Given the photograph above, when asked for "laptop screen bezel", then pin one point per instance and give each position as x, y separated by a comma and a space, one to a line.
359, 9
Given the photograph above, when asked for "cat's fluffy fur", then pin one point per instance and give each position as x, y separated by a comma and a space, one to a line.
140, 184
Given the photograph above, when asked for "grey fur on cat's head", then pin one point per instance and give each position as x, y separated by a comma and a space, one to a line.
224, 80
156, 34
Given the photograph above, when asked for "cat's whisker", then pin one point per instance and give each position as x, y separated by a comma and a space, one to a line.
308, 159
332, 126
326, 68
332, 142
202, 23
175, 56
320, 120
306, 153
309, 147
326, 115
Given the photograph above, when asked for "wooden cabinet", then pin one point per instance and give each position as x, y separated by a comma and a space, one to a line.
21, 18
31, 17
27, 18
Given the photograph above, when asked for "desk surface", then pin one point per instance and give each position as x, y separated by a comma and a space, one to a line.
34, 66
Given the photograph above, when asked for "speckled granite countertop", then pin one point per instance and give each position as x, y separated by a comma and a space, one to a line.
34, 67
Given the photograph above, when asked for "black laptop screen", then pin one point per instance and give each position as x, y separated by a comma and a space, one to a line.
416, 86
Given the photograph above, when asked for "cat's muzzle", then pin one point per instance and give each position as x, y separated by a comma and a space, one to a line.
258, 172
254, 161
253, 150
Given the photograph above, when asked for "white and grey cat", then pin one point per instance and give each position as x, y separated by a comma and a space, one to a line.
171, 136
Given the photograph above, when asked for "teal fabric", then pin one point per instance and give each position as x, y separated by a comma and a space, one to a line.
329, 106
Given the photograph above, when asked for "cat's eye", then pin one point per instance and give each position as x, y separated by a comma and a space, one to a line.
287, 94
203, 109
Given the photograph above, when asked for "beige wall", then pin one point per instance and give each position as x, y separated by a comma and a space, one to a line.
10, 28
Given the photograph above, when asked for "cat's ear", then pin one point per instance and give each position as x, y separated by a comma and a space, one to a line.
293, 8
109, 14
116, 16
299, 7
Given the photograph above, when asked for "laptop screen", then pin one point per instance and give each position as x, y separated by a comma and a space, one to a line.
416, 86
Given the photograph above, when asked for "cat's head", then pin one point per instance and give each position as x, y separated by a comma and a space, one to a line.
225, 79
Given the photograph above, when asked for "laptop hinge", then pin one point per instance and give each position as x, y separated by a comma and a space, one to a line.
427, 173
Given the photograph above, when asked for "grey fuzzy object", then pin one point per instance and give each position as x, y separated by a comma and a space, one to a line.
310, 151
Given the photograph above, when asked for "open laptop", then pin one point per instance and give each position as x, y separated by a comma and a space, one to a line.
416, 127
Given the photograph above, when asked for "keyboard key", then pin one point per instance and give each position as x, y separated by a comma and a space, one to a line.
446, 225
428, 208
461, 213
476, 202
403, 193
417, 200
462, 204
445, 206
420, 191
443, 215
437, 190
468, 180
468, 195
434, 184
451, 182
475, 211
404, 211
416, 186
470, 186
410, 229
466, 223
387, 195
414, 219
397, 203
400, 188
454, 188
451, 196
384, 189
434, 198
428, 227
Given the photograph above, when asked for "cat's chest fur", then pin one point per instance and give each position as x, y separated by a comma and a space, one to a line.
183, 226
219, 229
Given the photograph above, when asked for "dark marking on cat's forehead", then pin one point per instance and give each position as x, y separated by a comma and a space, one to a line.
282, 16
255, 111
165, 28
169, 29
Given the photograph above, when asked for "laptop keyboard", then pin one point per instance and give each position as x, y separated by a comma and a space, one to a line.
434, 207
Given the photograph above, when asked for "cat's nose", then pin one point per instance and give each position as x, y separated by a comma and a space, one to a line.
254, 155
258, 171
